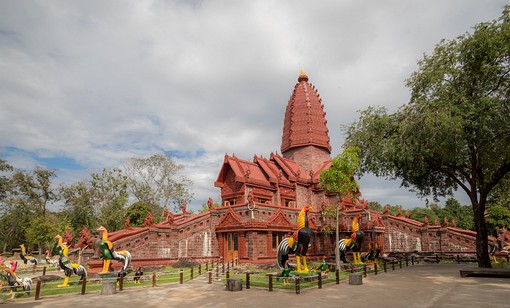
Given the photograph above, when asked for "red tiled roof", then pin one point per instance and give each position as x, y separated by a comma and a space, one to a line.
266, 172
305, 119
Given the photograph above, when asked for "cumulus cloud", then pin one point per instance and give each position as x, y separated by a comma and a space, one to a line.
92, 83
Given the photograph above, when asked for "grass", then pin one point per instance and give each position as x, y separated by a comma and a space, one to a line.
50, 288
259, 278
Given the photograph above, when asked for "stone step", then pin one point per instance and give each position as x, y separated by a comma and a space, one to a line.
485, 272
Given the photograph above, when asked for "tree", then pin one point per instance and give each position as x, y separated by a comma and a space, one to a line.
109, 194
113, 215
205, 207
499, 217
501, 194
5, 176
5, 187
23, 196
78, 207
36, 188
137, 213
461, 213
13, 224
419, 214
455, 131
157, 181
42, 231
375, 206
394, 209
339, 178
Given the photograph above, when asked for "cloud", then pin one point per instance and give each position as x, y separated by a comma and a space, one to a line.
92, 83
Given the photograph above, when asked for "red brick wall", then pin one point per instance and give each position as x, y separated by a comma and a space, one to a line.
308, 157
198, 238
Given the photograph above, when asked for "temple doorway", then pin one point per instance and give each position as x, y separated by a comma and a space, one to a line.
232, 246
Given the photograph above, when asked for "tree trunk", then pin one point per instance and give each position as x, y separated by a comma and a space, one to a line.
39, 248
482, 243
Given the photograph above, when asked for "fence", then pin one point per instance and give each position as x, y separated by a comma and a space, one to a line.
215, 272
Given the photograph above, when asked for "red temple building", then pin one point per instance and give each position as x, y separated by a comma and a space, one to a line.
261, 199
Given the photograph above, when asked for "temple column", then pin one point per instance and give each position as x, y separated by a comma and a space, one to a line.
242, 246
269, 243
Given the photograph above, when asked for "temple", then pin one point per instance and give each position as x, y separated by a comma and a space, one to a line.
261, 199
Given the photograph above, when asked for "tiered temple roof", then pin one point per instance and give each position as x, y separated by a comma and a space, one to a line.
305, 119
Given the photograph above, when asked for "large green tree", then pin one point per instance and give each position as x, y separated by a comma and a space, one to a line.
24, 195
36, 188
158, 181
455, 131
501, 194
79, 208
499, 217
137, 212
42, 231
339, 179
109, 193
5, 184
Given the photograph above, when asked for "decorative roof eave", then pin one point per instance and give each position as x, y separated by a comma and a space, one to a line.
304, 144
264, 165
278, 219
295, 173
259, 185
463, 232
284, 166
316, 178
220, 180
406, 220
244, 172
230, 220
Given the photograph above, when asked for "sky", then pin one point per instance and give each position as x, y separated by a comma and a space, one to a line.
85, 85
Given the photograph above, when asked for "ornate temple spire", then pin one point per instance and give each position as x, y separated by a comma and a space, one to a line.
305, 119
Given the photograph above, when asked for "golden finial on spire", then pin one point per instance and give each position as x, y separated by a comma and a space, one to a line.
303, 76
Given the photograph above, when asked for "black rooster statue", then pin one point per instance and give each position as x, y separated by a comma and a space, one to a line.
297, 244
353, 243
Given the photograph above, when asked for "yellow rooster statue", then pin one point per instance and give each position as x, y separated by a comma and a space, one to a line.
353, 243
66, 265
297, 244
109, 253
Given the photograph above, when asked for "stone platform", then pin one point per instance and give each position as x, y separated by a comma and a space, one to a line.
485, 272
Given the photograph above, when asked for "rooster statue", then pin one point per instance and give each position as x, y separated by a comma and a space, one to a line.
372, 255
14, 281
109, 253
23, 255
353, 243
66, 265
297, 244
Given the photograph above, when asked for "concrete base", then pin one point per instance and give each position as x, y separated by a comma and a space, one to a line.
234, 284
355, 279
108, 287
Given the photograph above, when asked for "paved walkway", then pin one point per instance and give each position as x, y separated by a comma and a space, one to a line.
423, 285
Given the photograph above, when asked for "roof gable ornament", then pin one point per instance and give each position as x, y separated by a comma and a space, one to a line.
303, 76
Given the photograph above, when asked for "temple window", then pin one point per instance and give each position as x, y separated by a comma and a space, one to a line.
262, 200
229, 202
289, 203
277, 238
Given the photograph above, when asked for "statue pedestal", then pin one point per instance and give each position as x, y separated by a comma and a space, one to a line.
108, 282
108, 287
234, 284
355, 279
